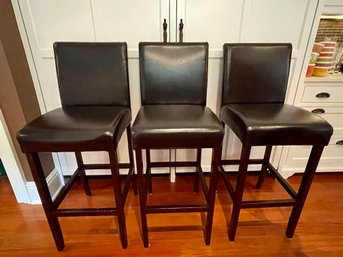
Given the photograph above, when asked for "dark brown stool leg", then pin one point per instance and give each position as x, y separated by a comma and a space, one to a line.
263, 173
148, 170
118, 197
198, 169
142, 197
211, 197
43, 190
129, 143
237, 201
83, 176
304, 189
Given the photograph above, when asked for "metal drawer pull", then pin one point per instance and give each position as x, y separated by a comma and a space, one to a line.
340, 142
323, 95
318, 111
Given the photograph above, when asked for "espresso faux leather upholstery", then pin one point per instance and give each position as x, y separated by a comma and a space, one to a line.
94, 91
255, 80
173, 73
95, 128
92, 73
173, 91
275, 124
164, 126
173, 79
255, 73
254, 88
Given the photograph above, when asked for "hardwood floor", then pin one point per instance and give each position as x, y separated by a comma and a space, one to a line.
261, 232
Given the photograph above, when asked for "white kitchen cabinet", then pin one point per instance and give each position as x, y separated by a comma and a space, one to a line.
323, 95
43, 22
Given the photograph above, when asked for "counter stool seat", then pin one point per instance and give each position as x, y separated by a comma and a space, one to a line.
94, 92
173, 79
188, 126
70, 128
275, 124
254, 90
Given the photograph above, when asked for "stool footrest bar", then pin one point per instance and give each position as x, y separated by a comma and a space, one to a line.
237, 162
86, 212
105, 166
282, 181
173, 164
267, 203
176, 208
66, 188
227, 182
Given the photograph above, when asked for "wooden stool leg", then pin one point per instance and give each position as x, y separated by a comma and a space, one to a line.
142, 197
118, 197
43, 190
129, 143
211, 197
83, 176
237, 201
263, 173
148, 170
304, 189
198, 169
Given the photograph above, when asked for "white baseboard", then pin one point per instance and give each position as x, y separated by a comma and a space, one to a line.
54, 182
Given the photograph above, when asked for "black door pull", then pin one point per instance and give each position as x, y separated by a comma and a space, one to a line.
165, 34
318, 111
181, 31
323, 95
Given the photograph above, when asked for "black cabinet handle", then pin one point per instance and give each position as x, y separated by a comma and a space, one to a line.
318, 111
181, 31
340, 142
165, 34
323, 95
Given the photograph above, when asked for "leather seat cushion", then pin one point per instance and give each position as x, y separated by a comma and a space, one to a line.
276, 124
81, 128
176, 126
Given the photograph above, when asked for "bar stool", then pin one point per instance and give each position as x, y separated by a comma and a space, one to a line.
173, 80
254, 89
94, 90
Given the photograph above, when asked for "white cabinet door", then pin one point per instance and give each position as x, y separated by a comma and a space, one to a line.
213, 22
47, 21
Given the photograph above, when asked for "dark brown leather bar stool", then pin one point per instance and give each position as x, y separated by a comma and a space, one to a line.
254, 88
174, 115
94, 91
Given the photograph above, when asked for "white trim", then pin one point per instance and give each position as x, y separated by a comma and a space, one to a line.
28, 52
55, 185
11, 163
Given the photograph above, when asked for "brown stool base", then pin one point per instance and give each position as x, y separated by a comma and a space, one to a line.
144, 184
297, 198
51, 209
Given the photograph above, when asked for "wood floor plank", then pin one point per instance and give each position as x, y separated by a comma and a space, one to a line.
261, 232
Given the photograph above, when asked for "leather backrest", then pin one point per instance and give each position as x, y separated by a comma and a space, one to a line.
173, 73
92, 73
255, 73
